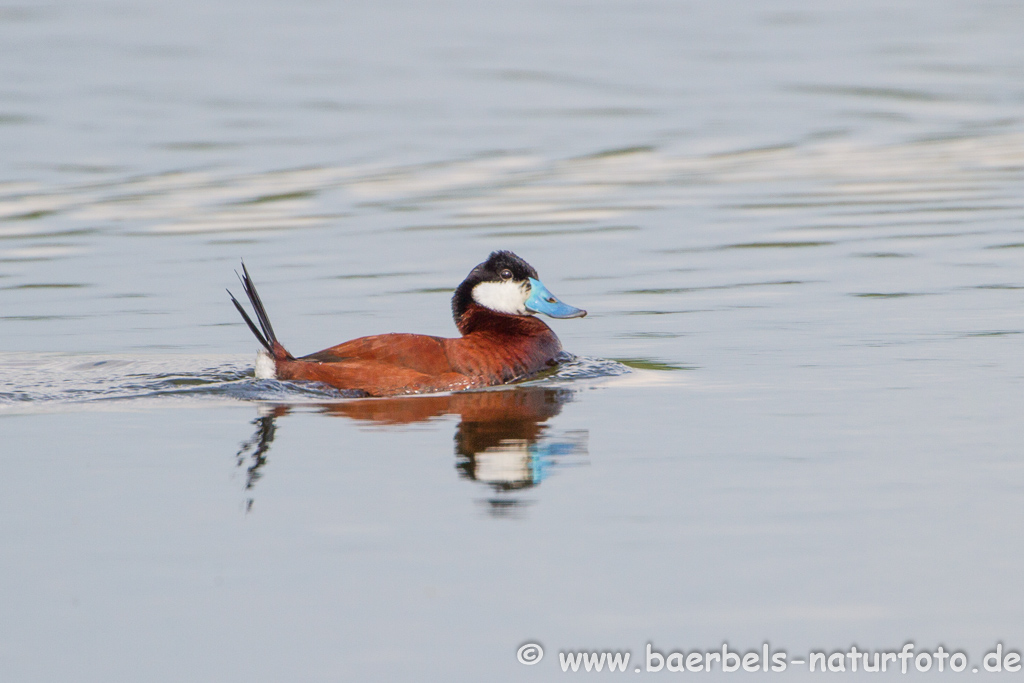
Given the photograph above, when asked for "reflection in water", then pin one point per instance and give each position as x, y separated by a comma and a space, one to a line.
256, 449
501, 440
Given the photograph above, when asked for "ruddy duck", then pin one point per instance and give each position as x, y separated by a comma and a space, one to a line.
494, 310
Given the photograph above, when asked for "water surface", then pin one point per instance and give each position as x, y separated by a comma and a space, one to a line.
793, 416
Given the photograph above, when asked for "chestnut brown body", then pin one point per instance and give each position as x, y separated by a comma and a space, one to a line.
494, 348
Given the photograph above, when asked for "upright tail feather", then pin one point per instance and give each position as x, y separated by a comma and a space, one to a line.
265, 332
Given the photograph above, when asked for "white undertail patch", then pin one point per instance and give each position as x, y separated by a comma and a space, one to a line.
266, 368
504, 297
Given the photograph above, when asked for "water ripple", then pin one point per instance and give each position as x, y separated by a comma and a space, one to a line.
524, 190
46, 381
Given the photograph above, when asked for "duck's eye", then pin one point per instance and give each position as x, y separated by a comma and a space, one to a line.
505, 274
552, 300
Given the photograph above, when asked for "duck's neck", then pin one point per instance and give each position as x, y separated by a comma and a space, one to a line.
476, 318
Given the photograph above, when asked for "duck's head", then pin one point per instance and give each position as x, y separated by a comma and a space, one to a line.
507, 284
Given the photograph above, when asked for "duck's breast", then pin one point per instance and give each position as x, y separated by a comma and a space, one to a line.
501, 357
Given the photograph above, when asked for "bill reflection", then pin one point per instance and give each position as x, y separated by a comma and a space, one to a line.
503, 439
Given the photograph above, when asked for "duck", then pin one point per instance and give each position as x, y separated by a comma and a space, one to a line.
494, 309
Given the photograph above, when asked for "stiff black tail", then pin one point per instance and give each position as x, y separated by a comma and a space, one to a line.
265, 333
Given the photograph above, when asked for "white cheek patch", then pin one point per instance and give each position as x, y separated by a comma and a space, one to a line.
507, 463
503, 297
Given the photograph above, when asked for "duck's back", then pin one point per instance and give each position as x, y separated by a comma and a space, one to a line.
418, 352
381, 365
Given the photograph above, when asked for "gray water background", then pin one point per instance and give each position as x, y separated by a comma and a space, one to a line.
798, 224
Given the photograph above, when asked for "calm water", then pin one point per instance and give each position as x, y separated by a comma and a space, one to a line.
794, 415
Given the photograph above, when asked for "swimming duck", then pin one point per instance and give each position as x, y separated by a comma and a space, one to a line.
494, 310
